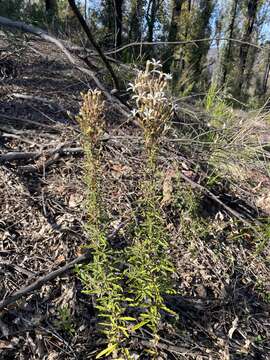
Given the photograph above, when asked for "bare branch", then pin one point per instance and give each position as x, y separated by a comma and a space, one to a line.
194, 42
17, 155
233, 212
19, 25
93, 41
41, 281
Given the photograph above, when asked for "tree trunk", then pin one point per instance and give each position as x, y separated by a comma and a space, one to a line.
151, 19
51, 8
252, 8
85, 9
135, 25
135, 29
181, 61
266, 72
174, 32
118, 4
226, 56
108, 17
197, 55
175, 20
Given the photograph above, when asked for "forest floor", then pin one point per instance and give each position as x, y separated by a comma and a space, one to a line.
221, 255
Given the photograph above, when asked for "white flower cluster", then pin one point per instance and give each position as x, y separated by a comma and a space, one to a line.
153, 107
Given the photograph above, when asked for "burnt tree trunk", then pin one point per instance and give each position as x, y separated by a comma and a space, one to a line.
266, 72
228, 49
51, 8
252, 8
151, 19
174, 32
135, 29
118, 4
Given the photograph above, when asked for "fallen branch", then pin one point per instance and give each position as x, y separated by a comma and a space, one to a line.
177, 301
221, 203
42, 280
171, 348
17, 155
19, 25
32, 122
60, 149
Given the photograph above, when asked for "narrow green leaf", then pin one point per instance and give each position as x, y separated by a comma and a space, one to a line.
127, 318
106, 351
168, 310
139, 325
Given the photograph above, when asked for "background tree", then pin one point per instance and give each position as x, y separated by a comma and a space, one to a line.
151, 17
136, 23
118, 10
51, 9
190, 21
266, 70
174, 34
226, 51
107, 19
250, 10
195, 57
11, 8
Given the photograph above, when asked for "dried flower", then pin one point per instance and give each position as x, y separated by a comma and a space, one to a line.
91, 116
154, 109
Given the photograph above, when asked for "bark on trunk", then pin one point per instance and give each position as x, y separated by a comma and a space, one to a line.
118, 4
244, 48
151, 19
173, 32
135, 31
228, 49
51, 8
266, 72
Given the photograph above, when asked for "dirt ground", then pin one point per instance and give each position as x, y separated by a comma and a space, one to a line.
223, 302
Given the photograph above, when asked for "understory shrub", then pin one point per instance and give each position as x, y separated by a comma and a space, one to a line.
128, 285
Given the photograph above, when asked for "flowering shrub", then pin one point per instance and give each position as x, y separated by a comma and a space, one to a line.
145, 264
153, 107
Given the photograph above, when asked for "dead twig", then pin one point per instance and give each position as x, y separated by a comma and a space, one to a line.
27, 121
19, 25
18, 268
42, 280
17, 155
171, 348
193, 42
221, 203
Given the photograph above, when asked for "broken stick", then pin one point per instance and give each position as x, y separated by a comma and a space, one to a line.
42, 280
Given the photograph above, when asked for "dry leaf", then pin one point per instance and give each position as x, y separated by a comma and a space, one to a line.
233, 328
118, 170
60, 259
189, 174
263, 202
4, 344
75, 200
